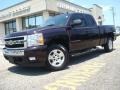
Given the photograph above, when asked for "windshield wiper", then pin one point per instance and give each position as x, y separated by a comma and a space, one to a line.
50, 25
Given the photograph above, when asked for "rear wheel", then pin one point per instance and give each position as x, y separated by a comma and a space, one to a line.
109, 45
57, 57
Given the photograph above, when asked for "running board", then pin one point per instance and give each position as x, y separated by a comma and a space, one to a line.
87, 51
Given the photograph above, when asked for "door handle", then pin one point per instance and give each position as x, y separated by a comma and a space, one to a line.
88, 32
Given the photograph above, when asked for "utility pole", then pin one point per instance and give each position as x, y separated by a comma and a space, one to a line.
113, 14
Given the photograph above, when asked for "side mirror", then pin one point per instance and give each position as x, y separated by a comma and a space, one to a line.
76, 22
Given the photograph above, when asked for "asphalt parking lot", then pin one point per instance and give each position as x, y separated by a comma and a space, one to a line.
95, 70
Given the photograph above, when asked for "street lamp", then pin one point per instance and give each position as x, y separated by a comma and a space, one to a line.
113, 14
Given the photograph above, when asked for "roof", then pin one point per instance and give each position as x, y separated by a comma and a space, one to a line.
15, 5
30, 0
72, 13
77, 5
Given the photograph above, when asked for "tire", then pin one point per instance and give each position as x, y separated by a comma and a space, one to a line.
108, 47
57, 58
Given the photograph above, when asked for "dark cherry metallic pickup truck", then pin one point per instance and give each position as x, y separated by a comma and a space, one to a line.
53, 43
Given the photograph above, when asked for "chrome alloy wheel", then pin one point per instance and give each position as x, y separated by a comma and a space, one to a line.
110, 44
56, 58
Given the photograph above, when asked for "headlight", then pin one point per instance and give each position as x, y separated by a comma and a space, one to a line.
35, 39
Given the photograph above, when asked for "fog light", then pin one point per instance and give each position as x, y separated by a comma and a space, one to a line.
32, 58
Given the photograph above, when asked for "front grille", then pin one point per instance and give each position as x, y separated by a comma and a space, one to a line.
16, 42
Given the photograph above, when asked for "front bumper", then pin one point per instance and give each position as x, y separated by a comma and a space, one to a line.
39, 53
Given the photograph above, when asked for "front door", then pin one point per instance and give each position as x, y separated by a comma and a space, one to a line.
80, 35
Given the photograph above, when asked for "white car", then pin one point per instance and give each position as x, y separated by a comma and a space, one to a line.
117, 31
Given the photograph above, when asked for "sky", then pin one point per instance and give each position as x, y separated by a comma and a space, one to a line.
106, 4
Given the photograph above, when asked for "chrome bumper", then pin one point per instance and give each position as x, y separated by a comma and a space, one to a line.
13, 52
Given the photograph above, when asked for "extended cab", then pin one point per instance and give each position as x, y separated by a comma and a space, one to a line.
53, 43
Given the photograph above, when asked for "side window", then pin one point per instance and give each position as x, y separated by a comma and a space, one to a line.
78, 19
90, 20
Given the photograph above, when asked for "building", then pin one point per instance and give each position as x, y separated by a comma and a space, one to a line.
32, 13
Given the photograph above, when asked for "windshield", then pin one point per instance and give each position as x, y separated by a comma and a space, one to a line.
59, 20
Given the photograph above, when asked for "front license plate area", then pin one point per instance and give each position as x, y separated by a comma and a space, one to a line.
13, 52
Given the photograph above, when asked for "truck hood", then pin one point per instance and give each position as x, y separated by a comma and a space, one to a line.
32, 31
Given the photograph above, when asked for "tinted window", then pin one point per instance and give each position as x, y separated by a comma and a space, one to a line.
32, 21
90, 20
39, 21
77, 17
59, 20
10, 27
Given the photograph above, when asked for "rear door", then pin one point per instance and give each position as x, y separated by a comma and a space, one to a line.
92, 30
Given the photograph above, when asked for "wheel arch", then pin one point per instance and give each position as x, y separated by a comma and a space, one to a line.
61, 41
111, 35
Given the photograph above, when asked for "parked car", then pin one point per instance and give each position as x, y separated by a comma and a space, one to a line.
53, 43
117, 31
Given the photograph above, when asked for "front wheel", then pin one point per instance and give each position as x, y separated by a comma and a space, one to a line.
109, 45
57, 57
